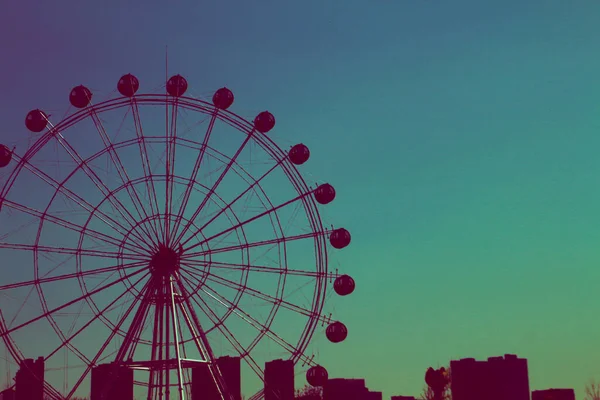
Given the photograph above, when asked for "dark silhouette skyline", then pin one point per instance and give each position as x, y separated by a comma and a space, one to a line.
111, 382
460, 135
279, 380
497, 378
29, 380
553, 394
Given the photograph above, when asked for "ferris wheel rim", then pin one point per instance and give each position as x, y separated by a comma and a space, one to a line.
141, 179
239, 123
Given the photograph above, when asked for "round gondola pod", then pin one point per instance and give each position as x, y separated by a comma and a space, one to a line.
36, 121
324, 194
336, 332
223, 98
80, 96
340, 238
264, 122
317, 376
5, 155
344, 285
299, 154
128, 85
177, 86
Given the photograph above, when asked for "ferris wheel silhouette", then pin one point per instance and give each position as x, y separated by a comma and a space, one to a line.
155, 228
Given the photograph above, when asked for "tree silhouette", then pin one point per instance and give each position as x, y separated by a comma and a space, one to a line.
309, 393
428, 394
592, 390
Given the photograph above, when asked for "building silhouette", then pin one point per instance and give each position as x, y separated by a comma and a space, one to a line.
231, 369
498, 378
204, 387
553, 394
345, 389
111, 382
30, 380
279, 380
8, 394
374, 395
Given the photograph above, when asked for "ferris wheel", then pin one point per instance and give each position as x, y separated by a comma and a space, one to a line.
159, 231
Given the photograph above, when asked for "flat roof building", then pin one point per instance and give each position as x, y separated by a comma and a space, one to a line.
30, 380
110, 381
8, 394
203, 385
345, 389
498, 378
374, 395
231, 369
553, 394
279, 380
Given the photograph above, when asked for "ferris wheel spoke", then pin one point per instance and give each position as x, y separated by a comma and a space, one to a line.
67, 341
255, 293
260, 327
66, 250
222, 210
98, 355
135, 330
151, 189
201, 341
59, 187
214, 186
72, 275
270, 242
220, 325
176, 338
194, 175
122, 172
257, 268
91, 174
158, 332
240, 224
67, 224
70, 303
170, 135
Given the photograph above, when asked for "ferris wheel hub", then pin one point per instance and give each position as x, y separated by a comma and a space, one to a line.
165, 261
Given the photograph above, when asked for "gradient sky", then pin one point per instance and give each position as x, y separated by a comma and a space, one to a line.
462, 138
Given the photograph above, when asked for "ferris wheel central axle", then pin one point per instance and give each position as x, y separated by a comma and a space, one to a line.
165, 261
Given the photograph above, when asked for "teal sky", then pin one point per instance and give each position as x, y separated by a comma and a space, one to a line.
462, 138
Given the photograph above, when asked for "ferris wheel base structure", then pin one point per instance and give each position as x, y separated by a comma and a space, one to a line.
100, 213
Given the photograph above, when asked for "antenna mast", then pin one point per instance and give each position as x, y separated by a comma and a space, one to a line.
166, 63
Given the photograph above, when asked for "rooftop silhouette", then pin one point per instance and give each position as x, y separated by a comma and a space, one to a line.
498, 378
553, 394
